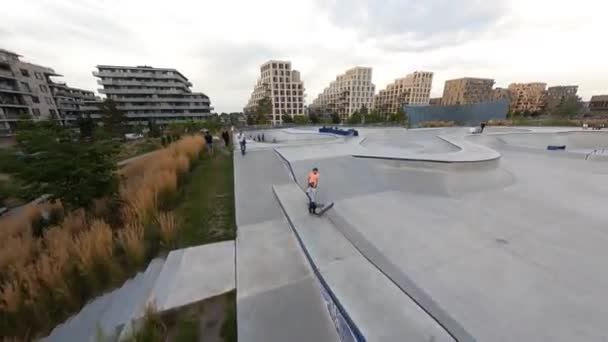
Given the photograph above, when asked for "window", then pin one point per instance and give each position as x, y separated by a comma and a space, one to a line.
43, 88
26, 87
53, 112
25, 73
38, 75
36, 111
49, 100
35, 99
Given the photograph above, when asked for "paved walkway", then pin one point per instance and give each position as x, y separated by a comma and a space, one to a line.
278, 296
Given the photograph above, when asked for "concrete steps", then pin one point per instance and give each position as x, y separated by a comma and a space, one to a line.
104, 317
187, 276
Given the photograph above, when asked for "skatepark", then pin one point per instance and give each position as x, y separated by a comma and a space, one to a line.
435, 235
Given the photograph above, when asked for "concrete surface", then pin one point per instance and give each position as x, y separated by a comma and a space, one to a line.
193, 274
512, 247
278, 296
379, 309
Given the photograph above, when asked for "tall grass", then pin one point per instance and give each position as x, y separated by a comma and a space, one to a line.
52, 262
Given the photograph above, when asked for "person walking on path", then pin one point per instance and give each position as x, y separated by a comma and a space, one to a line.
209, 142
242, 142
311, 190
226, 137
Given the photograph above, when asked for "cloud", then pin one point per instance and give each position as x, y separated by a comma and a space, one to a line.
416, 26
219, 45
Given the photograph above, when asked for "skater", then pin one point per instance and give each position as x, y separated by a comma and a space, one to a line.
242, 143
226, 137
483, 126
311, 190
209, 142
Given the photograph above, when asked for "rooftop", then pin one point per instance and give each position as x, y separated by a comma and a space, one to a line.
599, 98
10, 53
140, 67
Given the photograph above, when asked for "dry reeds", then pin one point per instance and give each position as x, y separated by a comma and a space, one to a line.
131, 240
167, 224
42, 268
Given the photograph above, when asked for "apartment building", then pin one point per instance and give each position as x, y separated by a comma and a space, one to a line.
71, 102
500, 94
599, 104
435, 101
284, 88
145, 93
467, 90
24, 90
348, 93
556, 95
413, 89
528, 97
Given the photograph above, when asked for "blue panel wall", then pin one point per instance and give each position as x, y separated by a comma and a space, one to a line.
462, 115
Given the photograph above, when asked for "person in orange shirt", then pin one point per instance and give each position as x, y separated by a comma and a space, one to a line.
311, 190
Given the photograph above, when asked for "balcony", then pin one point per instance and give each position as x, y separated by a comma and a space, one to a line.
163, 99
8, 103
12, 90
141, 91
150, 83
7, 74
163, 107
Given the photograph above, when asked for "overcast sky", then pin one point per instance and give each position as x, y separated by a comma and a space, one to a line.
220, 44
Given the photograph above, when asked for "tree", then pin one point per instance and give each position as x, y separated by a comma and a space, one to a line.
262, 110
335, 118
314, 118
153, 129
570, 106
287, 119
114, 120
301, 120
355, 118
86, 125
372, 116
53, 162
399, 117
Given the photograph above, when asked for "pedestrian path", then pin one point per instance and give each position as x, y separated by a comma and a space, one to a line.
278, 296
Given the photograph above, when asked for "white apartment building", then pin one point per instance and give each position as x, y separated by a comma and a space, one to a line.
413, 89
70, 102
145, 93
283, 86
347, 93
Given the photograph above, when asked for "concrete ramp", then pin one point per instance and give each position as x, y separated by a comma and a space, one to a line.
574, 141
373, 305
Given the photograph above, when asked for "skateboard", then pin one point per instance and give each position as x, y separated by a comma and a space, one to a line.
322, 208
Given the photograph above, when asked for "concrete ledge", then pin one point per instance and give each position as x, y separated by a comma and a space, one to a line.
353, 333
469, 152
195, 274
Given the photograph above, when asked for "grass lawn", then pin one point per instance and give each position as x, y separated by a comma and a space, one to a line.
206, 205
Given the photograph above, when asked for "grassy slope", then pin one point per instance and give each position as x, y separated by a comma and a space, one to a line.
206, 207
